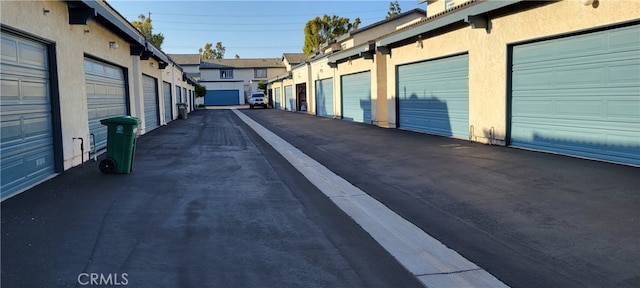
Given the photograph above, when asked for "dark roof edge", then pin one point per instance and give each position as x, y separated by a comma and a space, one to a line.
125, 27
357, 51
444, 20
401, 15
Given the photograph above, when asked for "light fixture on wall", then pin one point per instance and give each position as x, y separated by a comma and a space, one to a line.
419, 42
45, 11
113, 45
151, 64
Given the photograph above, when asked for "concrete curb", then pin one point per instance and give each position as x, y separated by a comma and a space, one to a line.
434, 264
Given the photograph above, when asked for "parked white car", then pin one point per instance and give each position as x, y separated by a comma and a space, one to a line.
258, 99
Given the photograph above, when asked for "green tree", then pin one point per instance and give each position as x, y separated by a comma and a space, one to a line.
237, 56
394, 9
209, 52
320, 30
262, 85
201, 90
146, 28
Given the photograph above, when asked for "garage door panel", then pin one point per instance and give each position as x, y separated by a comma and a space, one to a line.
288, 98
277, 98
222, 97
623, 110
9, 51
624, 73
356, 97
24, 90
37, 91
624, 39
106, 97
585, 76
619, 105
150, 91
581, 101
324, 98
26, 121
37, 125
27, 164
434, 97
568, 141
168, 105
33, 55
10, 90
547, 51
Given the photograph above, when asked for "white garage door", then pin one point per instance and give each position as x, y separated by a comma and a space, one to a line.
27, 151
150, 90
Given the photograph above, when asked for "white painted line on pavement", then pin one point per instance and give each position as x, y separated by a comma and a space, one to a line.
433, 263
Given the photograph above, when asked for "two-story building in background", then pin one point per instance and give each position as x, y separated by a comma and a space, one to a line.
231, 81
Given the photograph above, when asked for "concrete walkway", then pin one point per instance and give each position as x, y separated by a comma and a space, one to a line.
434, 264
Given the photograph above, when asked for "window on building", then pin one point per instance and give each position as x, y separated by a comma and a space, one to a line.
260, 73
449, 4
226, 74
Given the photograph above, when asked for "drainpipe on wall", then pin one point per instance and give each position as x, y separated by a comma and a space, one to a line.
135, 99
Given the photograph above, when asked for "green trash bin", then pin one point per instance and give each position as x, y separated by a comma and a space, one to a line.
121, 144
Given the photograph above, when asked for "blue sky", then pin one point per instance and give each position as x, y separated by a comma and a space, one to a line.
251, 29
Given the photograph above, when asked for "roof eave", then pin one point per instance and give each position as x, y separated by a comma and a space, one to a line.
445, 20
363, 50
140, 45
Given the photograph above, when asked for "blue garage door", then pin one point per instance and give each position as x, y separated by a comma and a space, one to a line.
277, 98
150, 91
289, 104
106, 97
579, 95
27, 150
324, 97
356, 97
433, 96
168, 105
222, 97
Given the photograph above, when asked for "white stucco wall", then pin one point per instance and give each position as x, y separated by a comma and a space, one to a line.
72, 43
488, 53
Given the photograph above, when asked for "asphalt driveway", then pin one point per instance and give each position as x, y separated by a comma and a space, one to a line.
209, 204
531, 219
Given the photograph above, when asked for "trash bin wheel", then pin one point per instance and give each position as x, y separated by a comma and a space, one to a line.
107, 166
